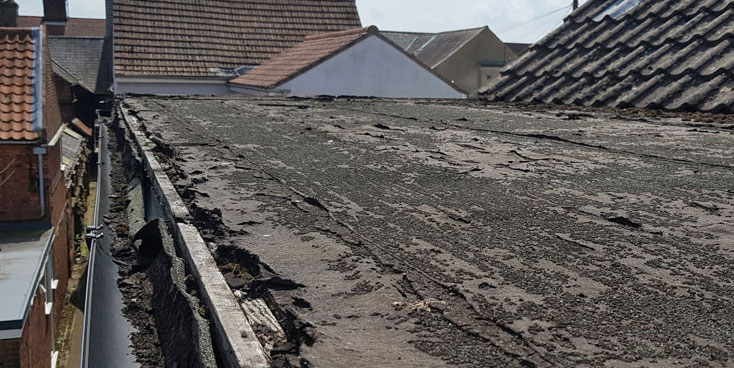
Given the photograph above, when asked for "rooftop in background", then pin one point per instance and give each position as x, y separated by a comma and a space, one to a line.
84, 59
20, 84
432, 48
667, 54
518, 48
78, 27
188, 38
294, 60
23, 248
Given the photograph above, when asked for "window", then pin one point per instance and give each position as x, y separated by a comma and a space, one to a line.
618, 9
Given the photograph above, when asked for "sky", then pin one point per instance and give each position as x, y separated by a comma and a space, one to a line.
512, 20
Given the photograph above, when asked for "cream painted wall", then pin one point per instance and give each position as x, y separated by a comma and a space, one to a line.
372, 67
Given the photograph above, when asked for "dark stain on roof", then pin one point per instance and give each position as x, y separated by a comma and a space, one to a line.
190, 38
669, 54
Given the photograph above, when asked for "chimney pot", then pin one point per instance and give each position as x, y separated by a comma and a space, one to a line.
8, 13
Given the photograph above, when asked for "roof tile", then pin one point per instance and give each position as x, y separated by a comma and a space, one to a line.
668, 54
188, 38
17, 69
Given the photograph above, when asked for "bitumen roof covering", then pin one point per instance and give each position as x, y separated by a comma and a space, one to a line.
423, 233
19, 84
22, 250
190, 38
666, 54
432, 48
86, 59
75, 27
300, 57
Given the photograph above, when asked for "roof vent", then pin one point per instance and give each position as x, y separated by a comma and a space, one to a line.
8, 13
618, 9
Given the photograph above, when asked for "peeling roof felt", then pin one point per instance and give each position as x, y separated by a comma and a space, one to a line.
20, 84
300, 57
74, 27
432, 48
667, 54
190, 38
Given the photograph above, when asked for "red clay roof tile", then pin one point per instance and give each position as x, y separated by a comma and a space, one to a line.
17, 69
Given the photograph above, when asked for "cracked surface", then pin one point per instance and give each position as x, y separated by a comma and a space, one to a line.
428, 234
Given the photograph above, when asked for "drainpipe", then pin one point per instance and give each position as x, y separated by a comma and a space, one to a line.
575, 4
40, 151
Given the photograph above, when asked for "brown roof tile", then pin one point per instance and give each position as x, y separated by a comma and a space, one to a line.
79, 27
667, 54
298, 58
189, 38
18, 69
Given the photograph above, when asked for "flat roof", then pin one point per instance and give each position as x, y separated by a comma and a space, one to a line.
581, 238
23, 250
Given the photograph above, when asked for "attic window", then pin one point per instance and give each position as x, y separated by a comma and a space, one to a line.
618, 9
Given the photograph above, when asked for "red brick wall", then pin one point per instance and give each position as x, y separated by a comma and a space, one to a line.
10, 353
51, 111
35, 344
19, 199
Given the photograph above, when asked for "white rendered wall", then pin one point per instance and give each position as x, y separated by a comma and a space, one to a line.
173, 88
374, 68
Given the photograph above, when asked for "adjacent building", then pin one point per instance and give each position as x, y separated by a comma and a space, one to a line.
36, 227
81, 55
195, 47
358, 62
668, 54
470, 58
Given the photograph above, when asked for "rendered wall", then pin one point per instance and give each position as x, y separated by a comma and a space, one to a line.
370, 68
464, 66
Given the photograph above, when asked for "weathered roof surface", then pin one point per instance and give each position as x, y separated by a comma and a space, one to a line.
293, 61
668, 54
493, 235
71, 149
19, 84
190, 38
23, 247
87, 59
432, 48
84, 27
518, 48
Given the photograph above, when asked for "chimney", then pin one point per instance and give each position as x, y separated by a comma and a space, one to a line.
54, 11
55, 16
8, 13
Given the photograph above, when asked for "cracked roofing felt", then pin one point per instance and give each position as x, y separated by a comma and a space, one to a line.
430, 234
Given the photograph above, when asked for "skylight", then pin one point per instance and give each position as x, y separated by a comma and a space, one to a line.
618, 9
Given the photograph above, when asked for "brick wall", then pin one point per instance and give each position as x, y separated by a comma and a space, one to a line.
10, 353
19, 198
35, 344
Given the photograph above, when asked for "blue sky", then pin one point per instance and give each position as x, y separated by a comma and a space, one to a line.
511, 20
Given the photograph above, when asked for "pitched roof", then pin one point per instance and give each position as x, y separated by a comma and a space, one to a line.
74, 27
518, 48
433, 48
669, 54
190, 38
85, 59
293, 61
20, 84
